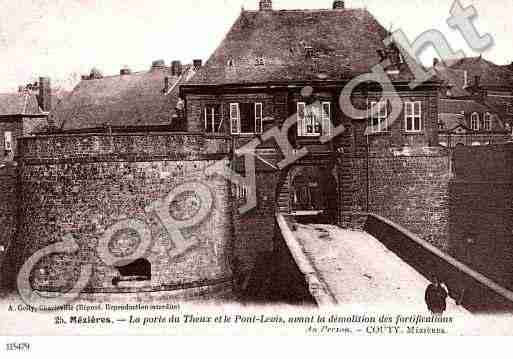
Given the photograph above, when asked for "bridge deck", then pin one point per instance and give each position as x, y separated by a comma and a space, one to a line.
357, 269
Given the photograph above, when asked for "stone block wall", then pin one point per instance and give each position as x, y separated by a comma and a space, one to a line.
126, 191
9, 196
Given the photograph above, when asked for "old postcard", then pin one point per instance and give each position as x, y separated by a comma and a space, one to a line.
256, 167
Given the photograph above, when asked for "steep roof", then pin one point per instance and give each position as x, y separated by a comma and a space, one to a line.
454, 113
21, 103
457, 106
294, 45
136, 99
491, 75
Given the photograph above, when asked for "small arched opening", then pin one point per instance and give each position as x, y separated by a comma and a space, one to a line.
136, 271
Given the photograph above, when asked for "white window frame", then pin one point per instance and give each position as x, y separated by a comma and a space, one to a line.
318, 111
326, 118
209, 122
487, 122
8, 145
381, 118
472, 119
259, 117
413, 116
235, 120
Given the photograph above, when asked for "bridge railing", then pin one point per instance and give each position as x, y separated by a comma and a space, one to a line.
471, 289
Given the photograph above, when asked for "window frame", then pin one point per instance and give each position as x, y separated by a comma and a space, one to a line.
8, 141
487, 121
413, 116
211, 120
380, 117
318, 113
472, 119
258, 118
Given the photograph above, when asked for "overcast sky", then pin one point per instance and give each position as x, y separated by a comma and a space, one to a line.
65, 38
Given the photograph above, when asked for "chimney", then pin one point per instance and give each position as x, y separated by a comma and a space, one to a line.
338, 5
125, 71
166, 84
266, 5
158, 64
45, 94
176, 68
197, 64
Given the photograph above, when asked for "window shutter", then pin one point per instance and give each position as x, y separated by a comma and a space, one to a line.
301, 108
258, 118
234, 118
326, 118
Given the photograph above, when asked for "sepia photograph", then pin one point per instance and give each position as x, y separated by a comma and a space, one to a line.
255, 167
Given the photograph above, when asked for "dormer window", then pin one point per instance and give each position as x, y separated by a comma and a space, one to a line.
474, 121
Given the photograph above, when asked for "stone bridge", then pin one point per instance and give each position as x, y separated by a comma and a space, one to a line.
384, 264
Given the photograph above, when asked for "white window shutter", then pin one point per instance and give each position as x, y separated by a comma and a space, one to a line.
301, 108
258, 117
235, 118
326, 118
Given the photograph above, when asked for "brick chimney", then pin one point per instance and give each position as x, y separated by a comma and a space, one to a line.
44, 97
266, 5
125, 71
158, 64
197, 64
339, 5
176, 68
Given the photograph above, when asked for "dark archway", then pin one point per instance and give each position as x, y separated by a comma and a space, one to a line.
137, 271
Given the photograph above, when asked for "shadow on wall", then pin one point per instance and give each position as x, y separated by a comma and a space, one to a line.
467, 287
480, 213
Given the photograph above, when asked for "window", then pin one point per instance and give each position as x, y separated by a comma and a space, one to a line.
246, 118
259, 61
509, 108
474, 121
488, 121
413, 116
8, 141
378, 114
213, 118
476, 143
313, 119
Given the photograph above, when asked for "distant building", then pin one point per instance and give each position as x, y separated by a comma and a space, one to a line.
130, 101
22, 114
470, 123
477, 102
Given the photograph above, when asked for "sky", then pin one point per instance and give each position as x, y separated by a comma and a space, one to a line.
64, 39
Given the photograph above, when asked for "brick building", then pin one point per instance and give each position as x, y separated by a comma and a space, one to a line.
477, 104
23, 113
470, 123
256, 80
